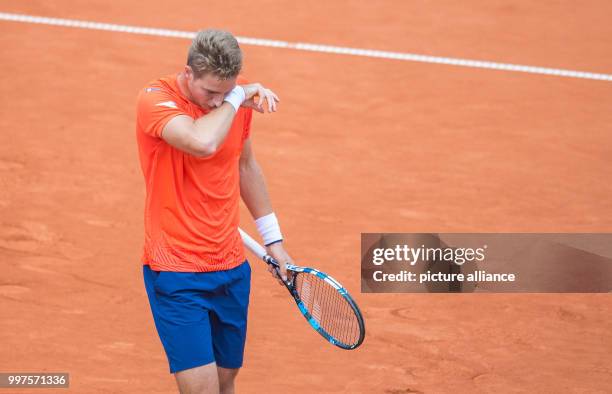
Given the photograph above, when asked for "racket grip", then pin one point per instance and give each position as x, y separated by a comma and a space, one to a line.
256, 248
252, 245
260, 252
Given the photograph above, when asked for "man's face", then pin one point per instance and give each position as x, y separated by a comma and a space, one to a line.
208, 91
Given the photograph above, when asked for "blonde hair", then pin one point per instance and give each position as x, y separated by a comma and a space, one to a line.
216, 52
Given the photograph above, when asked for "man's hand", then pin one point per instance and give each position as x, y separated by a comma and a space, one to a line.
277, 251
256, 94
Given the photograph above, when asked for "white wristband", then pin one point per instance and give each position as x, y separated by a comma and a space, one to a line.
269, 229
236, 97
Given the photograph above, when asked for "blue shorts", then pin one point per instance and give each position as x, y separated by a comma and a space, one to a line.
200, 317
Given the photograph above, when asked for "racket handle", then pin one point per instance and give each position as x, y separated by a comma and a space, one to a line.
252, 245
256, 248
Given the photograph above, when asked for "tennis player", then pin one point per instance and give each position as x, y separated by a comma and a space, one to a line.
193, 131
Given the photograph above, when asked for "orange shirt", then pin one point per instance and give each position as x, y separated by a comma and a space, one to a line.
191, 208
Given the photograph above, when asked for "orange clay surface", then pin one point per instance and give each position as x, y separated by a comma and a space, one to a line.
359, 145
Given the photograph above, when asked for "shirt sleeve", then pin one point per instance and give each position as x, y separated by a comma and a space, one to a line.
155, 108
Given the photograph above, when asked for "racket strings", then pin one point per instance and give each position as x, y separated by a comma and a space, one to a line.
328, 307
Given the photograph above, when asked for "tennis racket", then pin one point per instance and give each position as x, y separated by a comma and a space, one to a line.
325, 304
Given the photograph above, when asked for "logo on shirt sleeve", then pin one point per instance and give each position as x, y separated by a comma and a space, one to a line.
167, 104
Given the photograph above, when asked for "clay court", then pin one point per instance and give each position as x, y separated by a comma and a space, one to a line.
360, 144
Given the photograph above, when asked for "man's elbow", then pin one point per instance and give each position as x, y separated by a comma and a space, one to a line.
204, 149
247, 165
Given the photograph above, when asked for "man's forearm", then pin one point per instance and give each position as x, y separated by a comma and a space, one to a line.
212, 128
253, 189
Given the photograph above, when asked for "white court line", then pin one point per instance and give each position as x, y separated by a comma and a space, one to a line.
310, 47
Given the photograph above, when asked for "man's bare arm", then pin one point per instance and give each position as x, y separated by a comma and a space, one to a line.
254, 193
200, 137
203, 136
253, 188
